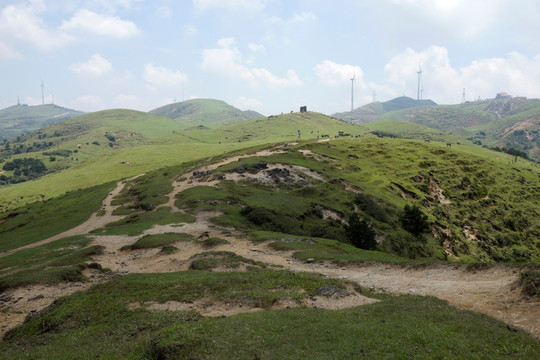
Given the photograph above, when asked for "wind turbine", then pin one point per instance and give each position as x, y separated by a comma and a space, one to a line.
353, 82
42, 95
419, 91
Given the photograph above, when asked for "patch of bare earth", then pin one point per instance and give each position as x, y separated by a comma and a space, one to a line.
206, 307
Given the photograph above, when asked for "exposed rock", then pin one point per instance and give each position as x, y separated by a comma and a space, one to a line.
329, 291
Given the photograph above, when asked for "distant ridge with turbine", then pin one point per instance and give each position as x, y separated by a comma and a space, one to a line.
372, 111
20, 119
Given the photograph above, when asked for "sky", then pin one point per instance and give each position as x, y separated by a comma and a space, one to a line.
270, 56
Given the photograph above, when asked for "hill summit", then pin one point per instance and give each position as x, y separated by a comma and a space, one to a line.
208, 112
20, 119
372, 111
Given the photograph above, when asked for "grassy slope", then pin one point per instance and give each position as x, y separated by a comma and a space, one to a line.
98, 323
477, 182
18, 119
472, 120
147, 142
207, 112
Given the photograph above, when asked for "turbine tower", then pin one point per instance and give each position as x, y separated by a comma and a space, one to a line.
419, 72
353, 79
42, 95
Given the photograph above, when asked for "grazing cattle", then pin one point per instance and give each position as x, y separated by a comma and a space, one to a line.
426, 140
448, 144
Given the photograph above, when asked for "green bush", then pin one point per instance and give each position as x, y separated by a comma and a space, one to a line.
360, 233
414, 220
530, 280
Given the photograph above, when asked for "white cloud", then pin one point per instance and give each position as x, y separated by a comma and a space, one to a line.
332, 74
88, 21
190, 29
251, 5
303, 17
295, 18
112, 5
459, 17
95, 66
515, 74
228, 60
89, 103
158, 75
22, 23
163, 12
248, 104
256, 47
6, 52
126, 101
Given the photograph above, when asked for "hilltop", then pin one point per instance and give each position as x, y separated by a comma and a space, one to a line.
496, 123
207, 112
374, 110
507, 123
113, 144
20, 119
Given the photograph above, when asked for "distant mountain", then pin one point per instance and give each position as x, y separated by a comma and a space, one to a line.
20, 119
502, 123
208, 112
374, 110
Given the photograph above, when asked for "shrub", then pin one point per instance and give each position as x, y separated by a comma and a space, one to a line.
530, 280
369, 205
414, 220
360, 233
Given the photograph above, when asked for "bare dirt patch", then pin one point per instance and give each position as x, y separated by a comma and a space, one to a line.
217, 309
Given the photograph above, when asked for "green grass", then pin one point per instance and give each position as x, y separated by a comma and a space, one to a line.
327, 250
136, 224
158, 240
52, 263
213, 242
206, 112
38, 221
212, 260
97, 324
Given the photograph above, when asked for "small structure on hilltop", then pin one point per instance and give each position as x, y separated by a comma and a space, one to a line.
303, 109
503, 96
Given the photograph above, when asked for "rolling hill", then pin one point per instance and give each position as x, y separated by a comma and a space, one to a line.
158, 241
20, 119
510, 123
207, 112
374, 110
114, 144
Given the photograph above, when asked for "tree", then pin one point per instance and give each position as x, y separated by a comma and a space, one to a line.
414, 220
360, 233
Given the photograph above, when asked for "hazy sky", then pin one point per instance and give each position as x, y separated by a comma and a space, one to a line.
267, 55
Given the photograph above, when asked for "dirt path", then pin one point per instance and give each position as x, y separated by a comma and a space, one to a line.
493, 291
94, 222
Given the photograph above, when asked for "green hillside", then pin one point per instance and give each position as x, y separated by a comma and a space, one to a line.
374, 110
207, 112
506, 124
114, 144
20, 119
245, 242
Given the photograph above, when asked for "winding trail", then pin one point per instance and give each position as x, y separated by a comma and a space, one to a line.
493, 291
94, 222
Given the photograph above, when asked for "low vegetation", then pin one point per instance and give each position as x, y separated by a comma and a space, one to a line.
101, 322
60, 261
